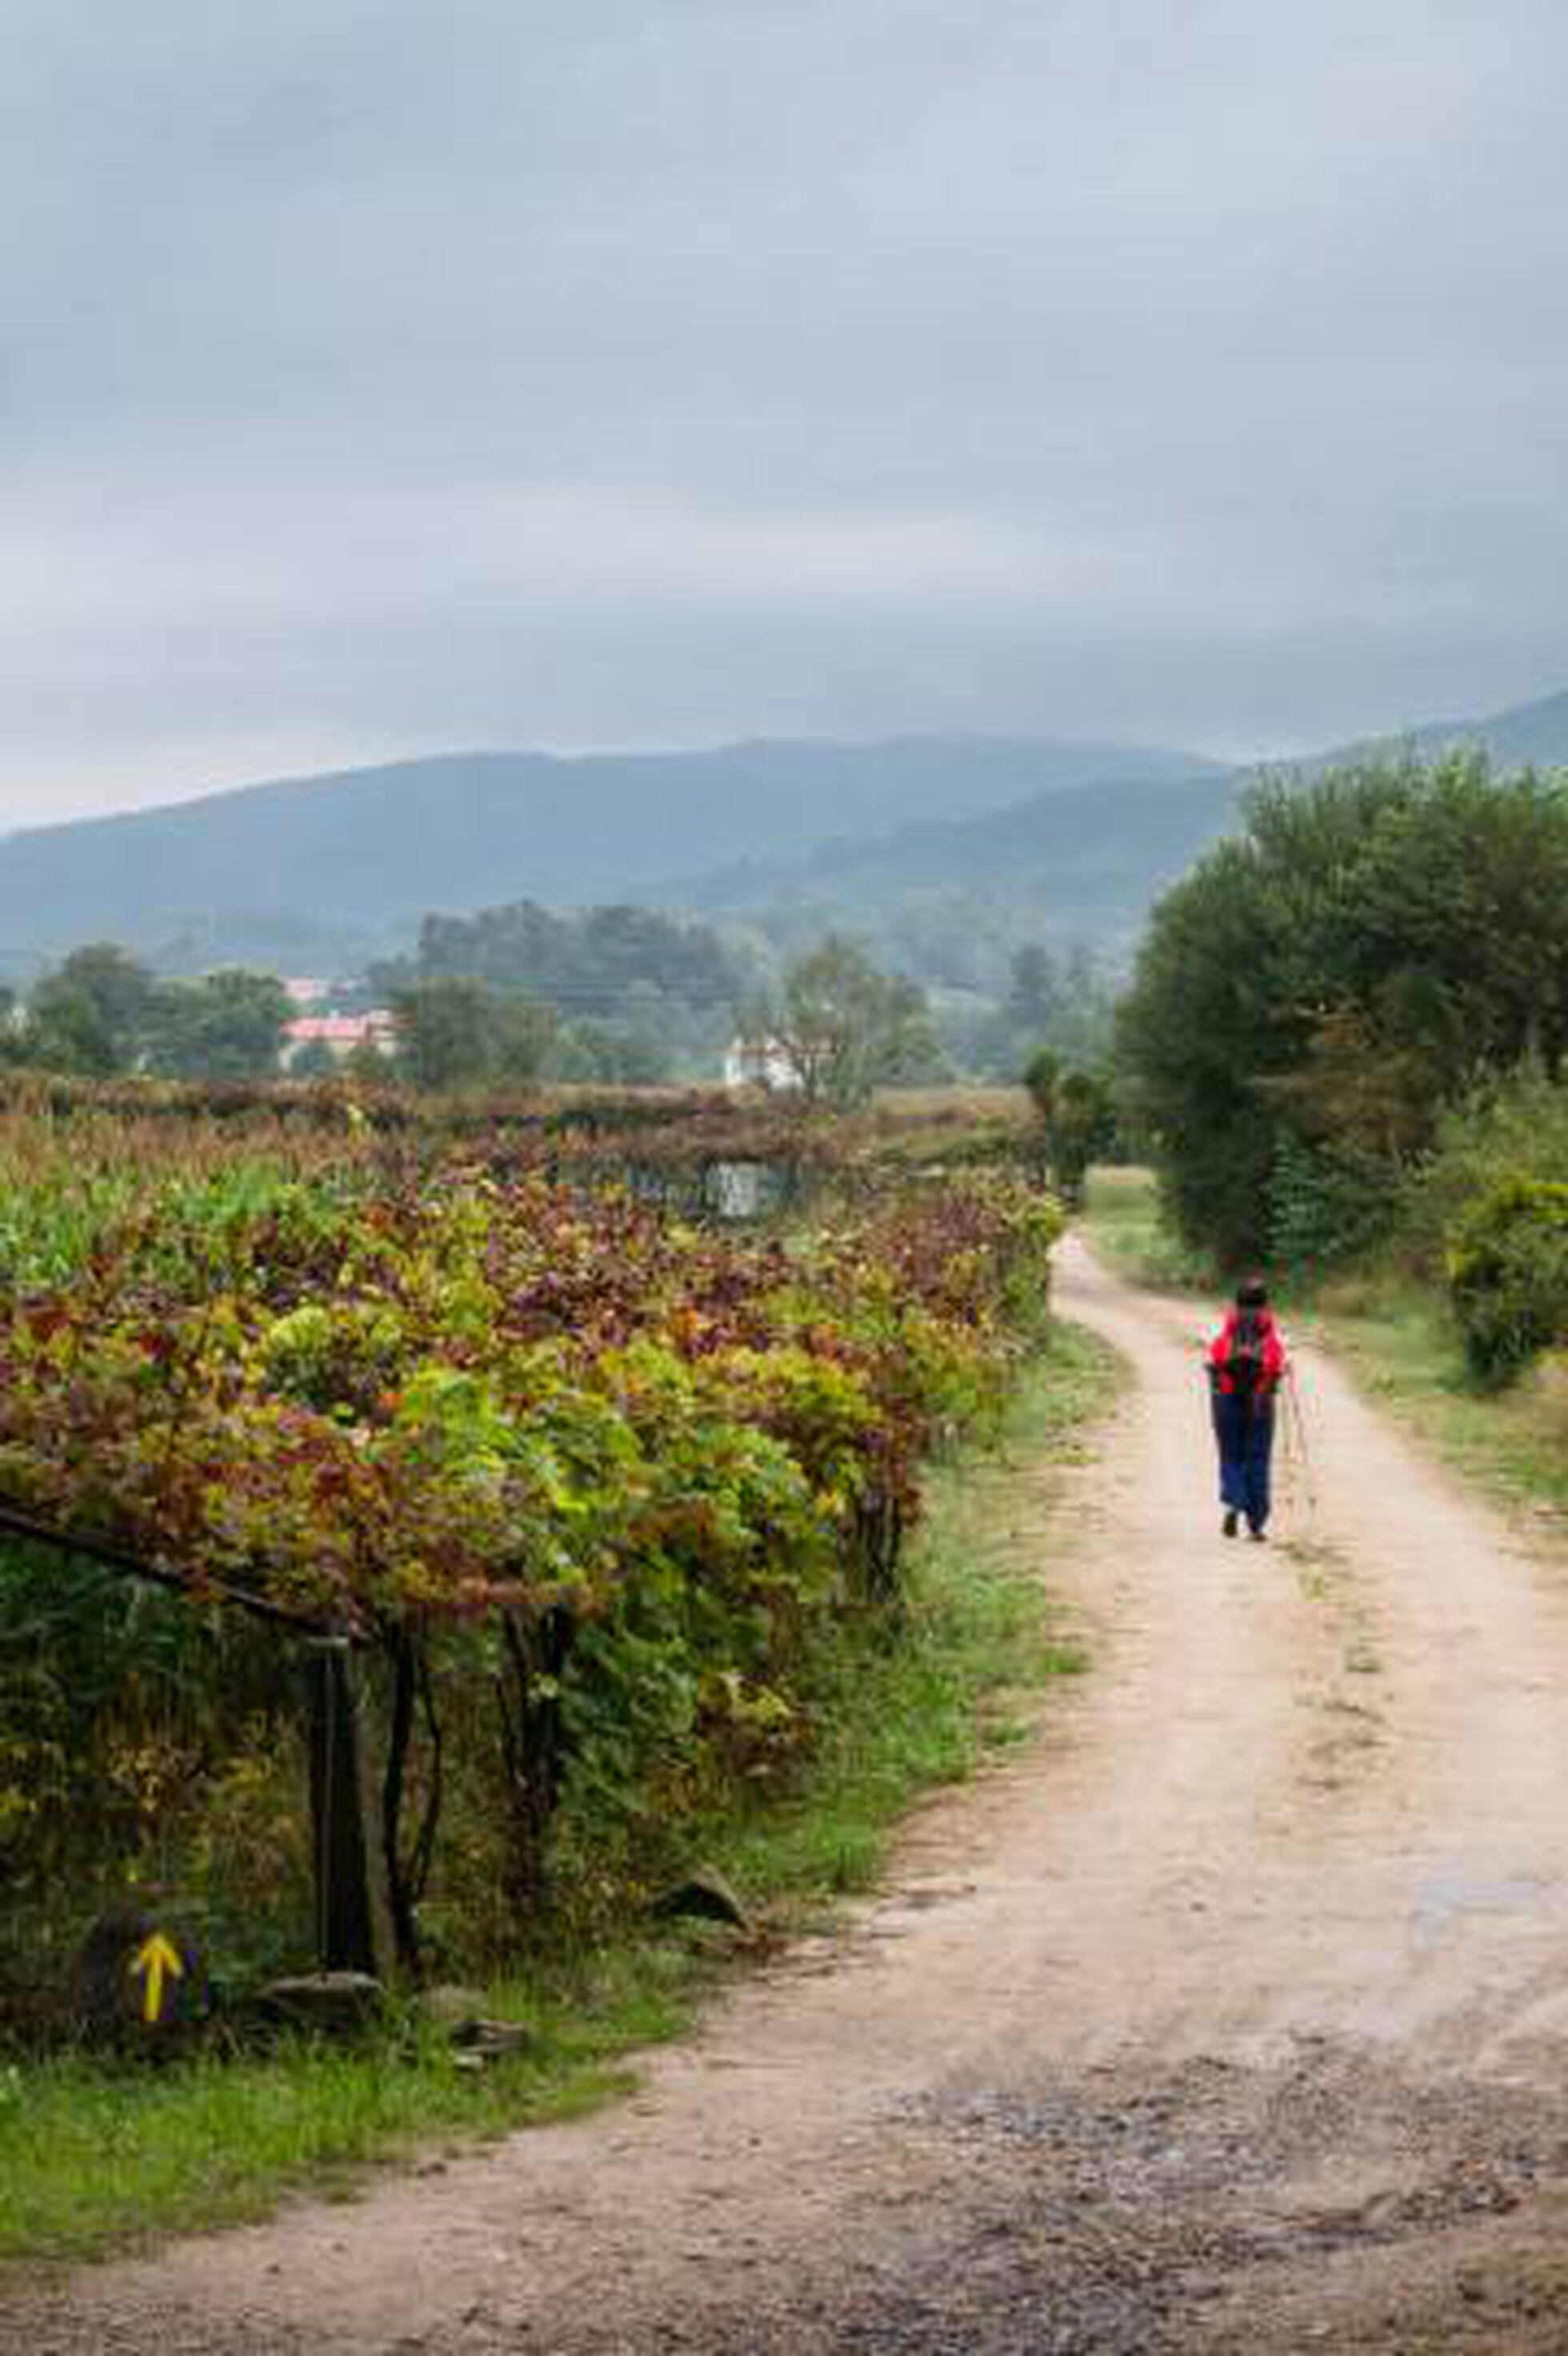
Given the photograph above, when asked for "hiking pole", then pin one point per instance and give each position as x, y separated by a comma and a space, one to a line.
1296, 1418
1291, 1468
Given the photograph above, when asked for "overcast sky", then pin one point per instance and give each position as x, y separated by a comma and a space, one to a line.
383, 376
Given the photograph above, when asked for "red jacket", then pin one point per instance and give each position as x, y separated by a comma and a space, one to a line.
1274, 1352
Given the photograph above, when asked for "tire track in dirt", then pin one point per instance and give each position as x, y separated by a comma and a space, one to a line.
1232, 2012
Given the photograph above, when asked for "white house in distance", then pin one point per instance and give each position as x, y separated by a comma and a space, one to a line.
761, 1063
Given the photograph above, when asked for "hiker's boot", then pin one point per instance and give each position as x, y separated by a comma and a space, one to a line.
1228, 1525
1258, 1535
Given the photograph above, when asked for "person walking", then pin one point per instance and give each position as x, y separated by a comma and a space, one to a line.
1246, 1365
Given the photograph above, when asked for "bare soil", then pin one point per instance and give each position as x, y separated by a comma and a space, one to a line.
1231, 2014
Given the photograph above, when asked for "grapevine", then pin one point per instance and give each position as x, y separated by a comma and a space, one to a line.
494, 1426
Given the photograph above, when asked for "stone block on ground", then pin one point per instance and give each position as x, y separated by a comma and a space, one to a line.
331, 2004
705, 1895
447, 2006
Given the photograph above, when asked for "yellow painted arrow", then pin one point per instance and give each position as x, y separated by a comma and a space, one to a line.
155, 1960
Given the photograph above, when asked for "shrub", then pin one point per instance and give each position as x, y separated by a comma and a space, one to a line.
1512, 1127
1507, 1276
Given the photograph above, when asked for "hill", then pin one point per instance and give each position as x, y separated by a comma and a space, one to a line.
1525, 735
328, 872
1085, 860
289, 870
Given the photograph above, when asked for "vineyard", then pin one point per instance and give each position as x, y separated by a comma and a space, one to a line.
562, 1496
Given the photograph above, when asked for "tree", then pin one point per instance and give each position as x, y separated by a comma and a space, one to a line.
366, 1062
1324, 984
89, 1015
1063, 1000
525, 1038
120, 988
314, 1061
1077, 1119
102, 1012
13, 1026
66, 1033
847, 1028
227, 1027
456, 1035
1034, 989
442, 1034
632, 971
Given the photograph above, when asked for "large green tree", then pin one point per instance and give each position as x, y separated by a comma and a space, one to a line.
90, 1015
847, 1028
1322, 984
227, 1027
636, 989
456, 1035
1076, 1114
103, 1012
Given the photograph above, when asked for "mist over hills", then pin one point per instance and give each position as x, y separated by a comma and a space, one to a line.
289, 870
327, 871
1087, 859
1527, 735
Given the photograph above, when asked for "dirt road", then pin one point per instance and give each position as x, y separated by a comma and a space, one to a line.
1232, 2014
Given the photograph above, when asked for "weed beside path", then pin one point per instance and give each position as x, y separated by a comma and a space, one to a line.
94, 2157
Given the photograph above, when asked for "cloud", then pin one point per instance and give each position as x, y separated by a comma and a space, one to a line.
380, 375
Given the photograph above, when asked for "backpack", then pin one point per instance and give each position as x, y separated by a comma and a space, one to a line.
1244, 1360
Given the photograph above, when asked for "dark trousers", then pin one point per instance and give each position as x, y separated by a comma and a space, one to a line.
1244, 1428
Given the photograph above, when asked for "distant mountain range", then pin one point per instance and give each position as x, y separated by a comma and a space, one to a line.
1088, 859
324, 871
288, 869
1527, 735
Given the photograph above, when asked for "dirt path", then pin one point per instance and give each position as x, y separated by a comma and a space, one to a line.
1232, 2014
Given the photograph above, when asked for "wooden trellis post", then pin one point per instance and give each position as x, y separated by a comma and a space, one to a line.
352, 1930
353, 1921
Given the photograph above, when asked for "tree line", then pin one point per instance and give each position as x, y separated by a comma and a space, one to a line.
522, 996
102, 1012
632, 994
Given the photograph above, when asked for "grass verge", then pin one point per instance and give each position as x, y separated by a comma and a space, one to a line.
95, 2157
1404, 1351
1124, 1220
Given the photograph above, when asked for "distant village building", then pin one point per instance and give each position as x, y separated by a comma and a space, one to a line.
340, 1034
305, 989
761, 1063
